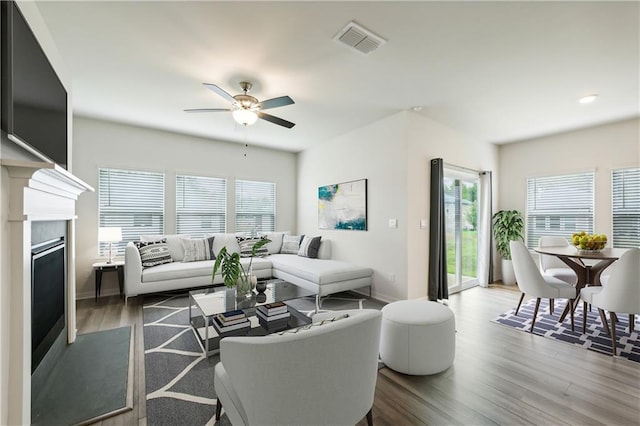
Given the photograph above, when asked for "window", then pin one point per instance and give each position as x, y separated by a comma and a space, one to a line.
201, 205
559, 205
132, 200
255, 206
625, 202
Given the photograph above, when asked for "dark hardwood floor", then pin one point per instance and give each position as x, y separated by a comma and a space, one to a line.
500, 376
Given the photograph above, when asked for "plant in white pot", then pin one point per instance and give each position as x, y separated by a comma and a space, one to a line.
508, 225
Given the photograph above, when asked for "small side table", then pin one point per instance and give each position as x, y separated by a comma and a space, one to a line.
116, 266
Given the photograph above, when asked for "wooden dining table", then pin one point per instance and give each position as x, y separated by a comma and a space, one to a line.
587, 273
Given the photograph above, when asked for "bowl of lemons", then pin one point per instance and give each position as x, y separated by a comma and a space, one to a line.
591, 243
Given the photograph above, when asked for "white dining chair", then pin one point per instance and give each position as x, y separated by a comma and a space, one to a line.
621, 294
531, 281
551, 265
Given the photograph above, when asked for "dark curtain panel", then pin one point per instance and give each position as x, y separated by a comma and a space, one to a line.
438, 285
485, 231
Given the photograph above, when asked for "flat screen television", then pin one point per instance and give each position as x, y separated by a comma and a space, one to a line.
34, 100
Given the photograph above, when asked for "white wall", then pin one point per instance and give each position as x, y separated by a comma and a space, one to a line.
429, 139
600, 149
107, 144
376, 152
393, 154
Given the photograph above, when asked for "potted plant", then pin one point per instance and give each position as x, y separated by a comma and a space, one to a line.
508, 225
232, 271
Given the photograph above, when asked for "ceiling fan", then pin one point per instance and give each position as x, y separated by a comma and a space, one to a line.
246, 109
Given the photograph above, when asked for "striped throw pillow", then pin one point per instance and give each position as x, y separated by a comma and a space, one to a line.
309, 247
246, 246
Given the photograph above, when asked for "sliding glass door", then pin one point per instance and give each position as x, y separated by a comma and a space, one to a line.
461, 218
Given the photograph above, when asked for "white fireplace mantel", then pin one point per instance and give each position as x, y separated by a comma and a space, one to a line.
42, 191
38, 191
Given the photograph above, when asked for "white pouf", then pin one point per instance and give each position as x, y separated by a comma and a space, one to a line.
417, 337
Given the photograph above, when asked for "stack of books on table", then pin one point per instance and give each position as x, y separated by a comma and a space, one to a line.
232, 321
273, 316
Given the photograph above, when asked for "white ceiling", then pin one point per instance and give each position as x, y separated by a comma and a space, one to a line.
499, 71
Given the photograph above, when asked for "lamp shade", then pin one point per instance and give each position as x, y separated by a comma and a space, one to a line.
110, 234
245, 116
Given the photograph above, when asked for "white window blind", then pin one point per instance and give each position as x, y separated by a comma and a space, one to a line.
201, 205
255, 206
559, 205
625, 202
132, 200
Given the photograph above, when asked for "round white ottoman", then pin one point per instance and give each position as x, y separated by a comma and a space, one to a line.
417, 337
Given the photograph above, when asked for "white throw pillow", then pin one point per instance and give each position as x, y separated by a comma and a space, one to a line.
291, 244
198, 249
276, 241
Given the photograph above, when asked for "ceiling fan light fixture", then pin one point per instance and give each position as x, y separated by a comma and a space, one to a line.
246, 117
246, 109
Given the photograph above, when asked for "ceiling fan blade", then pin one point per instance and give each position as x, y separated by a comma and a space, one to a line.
276, 120
276, 102
207, 109
220, 92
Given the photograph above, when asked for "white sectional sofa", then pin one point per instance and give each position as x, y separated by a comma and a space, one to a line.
323, 275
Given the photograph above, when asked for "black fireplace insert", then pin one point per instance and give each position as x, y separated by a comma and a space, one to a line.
48, 273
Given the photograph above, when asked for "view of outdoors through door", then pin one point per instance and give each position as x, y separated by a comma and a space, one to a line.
461, 218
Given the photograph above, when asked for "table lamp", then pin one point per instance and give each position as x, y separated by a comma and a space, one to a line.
110, 235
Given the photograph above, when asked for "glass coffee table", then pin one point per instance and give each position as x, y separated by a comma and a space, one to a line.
207, 303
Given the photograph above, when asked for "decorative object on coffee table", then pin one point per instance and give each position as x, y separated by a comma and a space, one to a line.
207, 303
232, 271
261, 286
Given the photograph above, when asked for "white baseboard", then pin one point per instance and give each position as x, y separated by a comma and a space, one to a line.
92, 294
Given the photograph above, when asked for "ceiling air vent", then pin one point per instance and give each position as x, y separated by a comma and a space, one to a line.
359, 38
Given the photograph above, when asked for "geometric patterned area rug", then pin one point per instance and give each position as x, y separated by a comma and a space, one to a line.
595, 337
178, 377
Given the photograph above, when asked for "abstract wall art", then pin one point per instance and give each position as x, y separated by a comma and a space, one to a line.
343, 206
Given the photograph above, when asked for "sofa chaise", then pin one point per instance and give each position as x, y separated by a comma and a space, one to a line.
321, 275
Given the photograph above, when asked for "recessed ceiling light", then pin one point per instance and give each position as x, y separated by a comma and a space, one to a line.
587, 99
416, 108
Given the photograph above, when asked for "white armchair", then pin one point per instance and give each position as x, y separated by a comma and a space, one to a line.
621, 293
323, 375
551, 265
